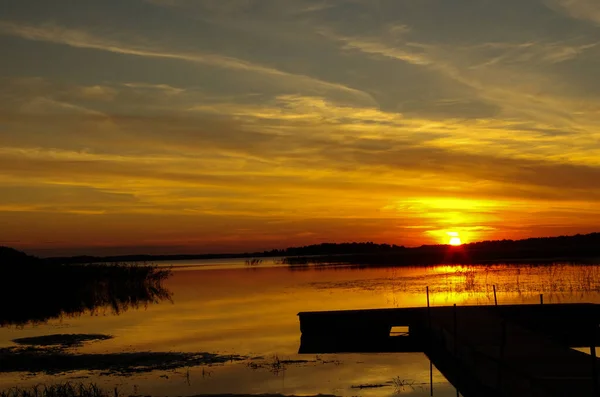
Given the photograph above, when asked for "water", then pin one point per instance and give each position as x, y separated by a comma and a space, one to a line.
229, 308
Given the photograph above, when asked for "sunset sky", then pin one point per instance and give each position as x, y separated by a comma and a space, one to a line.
178, 126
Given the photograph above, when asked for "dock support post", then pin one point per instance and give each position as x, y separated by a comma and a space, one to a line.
495, 299
541, 299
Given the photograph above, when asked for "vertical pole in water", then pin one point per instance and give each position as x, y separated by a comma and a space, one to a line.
430, 342
427, 291
594, 360
495, 299
541, 299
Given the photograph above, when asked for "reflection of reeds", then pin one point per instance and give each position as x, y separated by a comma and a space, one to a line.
253, 261
38, 292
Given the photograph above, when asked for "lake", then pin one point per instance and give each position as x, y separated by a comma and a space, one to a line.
229, 308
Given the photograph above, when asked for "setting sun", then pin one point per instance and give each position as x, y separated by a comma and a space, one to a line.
455, 241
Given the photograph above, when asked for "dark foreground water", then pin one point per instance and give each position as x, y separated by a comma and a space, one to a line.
227, 308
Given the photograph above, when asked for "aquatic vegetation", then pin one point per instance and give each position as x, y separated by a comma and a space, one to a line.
53, 361
401, 385
61, 390
61, 340
92, 390
369, 386
559, 282
277, 366
274, 365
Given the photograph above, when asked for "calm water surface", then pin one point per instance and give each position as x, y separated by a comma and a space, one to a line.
226, 307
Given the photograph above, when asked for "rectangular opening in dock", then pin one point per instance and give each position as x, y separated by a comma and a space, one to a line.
399, 331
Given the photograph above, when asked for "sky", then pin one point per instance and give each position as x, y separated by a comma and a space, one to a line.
179, 126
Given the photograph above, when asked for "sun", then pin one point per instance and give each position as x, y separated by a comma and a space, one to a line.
455, 241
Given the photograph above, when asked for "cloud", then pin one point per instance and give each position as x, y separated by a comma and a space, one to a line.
97, 92
394, 187
164, 153
581, 9
528, 53
81, 39
243, 7
294, 133
235, 122
370, 46
62, 199
166, 119
40, 106
513, 77
165, 88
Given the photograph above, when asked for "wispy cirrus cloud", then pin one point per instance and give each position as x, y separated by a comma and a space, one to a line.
237, 7
489, 71
81, 39
581, 9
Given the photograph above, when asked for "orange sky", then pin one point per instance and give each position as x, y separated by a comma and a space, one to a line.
175, 126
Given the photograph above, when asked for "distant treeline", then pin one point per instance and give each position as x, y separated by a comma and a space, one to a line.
317, 249
565, 247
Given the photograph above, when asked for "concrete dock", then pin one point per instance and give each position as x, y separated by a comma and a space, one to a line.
506, 350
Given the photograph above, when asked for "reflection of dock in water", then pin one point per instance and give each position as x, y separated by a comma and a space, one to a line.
506, 350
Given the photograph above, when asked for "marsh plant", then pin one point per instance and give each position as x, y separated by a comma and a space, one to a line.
560, 281
61, 390
401, 385
39, 291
